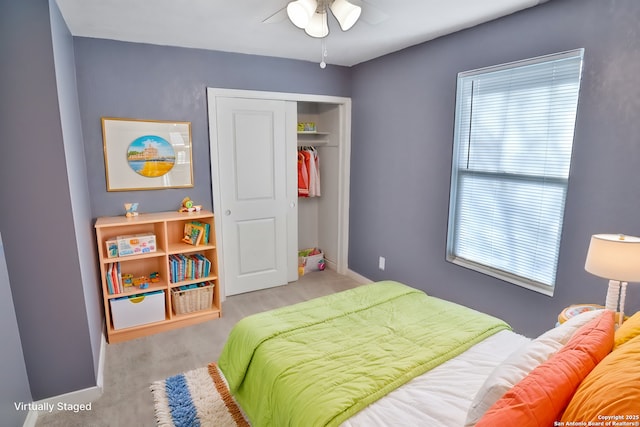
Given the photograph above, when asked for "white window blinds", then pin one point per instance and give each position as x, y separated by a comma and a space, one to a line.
512, 151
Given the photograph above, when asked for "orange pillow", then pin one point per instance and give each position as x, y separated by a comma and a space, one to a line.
629, 330
612, 388
541, 396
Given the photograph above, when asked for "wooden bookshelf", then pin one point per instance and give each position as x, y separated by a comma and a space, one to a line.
168, 228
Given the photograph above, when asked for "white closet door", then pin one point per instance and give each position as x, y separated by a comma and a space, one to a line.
256, 157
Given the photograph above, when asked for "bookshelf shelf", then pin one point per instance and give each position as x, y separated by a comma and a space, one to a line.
183, 248
136, 291
189, 282
169, 229
157, 254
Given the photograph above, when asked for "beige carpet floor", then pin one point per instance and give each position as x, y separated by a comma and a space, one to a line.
130, 367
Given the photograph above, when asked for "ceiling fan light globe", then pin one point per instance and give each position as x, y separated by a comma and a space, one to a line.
346, 13
301, 11
318, 26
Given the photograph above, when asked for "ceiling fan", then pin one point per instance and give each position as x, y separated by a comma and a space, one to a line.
312, 15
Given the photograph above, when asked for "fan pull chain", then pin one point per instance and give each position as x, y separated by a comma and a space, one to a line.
323, 45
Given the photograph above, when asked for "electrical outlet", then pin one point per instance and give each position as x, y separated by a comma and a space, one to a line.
381, 262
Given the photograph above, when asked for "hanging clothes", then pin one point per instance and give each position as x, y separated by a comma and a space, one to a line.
315, 173
308, 172
303, 176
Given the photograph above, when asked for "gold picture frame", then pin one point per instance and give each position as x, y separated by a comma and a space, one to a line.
146, 154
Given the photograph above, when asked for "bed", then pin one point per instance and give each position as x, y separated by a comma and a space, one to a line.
387, 354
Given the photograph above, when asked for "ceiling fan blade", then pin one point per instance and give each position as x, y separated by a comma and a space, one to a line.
370, 13
277, 17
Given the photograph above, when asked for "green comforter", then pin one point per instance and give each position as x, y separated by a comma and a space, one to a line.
319, 362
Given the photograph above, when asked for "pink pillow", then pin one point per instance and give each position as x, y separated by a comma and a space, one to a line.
540, 398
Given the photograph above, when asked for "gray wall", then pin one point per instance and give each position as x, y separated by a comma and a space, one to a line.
14, 384
117, 79
401, 171
77, 174
35, 208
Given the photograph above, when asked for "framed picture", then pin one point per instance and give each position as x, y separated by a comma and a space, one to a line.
146, 154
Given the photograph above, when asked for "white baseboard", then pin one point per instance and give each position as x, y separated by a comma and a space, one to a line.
32, 418
58, 403
75, 397
103, 349
349, 273
331, 265
358, 277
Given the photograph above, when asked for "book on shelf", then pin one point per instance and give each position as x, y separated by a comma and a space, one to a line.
188, 267
119, 277
205, 265
199, 265
108, 279
114, 279
192, 234
206, 227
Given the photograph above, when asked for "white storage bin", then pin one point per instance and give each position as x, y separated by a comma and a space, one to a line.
137, 309
310, 263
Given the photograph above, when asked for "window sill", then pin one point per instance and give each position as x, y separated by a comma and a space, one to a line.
502, 275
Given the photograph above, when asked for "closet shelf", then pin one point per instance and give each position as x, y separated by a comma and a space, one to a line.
312, 143
312, 138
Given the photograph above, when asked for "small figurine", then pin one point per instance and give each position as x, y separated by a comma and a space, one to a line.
188, 206
131, 209
154, 277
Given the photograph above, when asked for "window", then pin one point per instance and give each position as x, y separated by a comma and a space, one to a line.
512, 146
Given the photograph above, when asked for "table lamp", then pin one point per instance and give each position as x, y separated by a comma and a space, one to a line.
615, 257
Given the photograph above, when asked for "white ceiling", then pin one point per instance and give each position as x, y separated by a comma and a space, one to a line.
237, 25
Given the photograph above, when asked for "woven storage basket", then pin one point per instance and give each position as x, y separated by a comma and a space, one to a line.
191, 300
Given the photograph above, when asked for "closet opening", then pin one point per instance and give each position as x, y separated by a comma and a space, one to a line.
263, 227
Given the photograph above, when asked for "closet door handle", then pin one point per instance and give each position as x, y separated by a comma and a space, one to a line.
227, 212
292, 204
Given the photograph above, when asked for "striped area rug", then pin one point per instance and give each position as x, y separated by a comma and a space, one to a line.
198, 398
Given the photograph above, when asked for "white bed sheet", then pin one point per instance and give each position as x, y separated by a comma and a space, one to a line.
442, 396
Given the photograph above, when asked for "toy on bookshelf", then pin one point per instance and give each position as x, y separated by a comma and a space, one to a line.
112, 248
141, 282
187, 205
136, 244
127, 280
131, 209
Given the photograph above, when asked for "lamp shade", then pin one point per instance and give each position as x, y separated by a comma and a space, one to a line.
346, 13
301, 11
318, 26
614, 257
